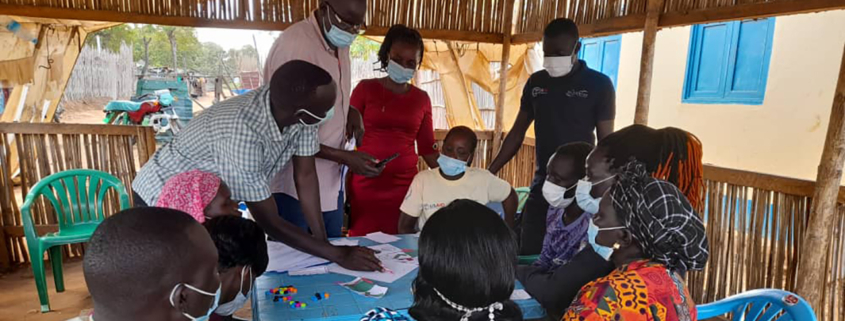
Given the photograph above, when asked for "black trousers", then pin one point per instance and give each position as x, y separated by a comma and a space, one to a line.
533, 225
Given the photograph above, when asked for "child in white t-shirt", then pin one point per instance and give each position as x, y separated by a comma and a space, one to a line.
435, 188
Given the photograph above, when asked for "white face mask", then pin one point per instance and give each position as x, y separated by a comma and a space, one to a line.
559, 66
208, 313
554, 194
229, 308
320, 120
587, 202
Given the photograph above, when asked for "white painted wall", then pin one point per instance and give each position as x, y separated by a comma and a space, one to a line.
784, 135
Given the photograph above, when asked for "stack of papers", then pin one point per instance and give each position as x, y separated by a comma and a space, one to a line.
284, 258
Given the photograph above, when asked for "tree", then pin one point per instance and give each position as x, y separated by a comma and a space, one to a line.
111, 38
363, 48
171, 37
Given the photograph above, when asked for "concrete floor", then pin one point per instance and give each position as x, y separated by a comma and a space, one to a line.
19, 299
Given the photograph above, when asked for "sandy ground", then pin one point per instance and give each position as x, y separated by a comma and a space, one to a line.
90, 111
19, 299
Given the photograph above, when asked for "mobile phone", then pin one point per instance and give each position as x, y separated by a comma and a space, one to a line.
387, 160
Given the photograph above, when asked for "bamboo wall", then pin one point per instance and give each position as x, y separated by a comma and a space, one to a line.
774, 211
102, 74
45, 149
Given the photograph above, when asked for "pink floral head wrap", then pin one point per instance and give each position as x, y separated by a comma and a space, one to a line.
190, 192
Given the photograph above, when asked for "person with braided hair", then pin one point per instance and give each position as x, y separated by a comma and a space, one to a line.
652, 234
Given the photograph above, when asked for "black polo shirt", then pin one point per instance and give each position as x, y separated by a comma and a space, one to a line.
566, 109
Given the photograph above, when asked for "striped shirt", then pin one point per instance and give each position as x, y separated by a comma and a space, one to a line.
238, 140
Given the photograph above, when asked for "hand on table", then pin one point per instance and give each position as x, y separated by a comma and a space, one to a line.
359, 258
362, 164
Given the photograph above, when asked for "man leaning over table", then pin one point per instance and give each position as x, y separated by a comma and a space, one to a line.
246, 140
324, 39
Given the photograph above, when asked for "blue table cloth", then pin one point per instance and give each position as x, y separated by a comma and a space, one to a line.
342, 303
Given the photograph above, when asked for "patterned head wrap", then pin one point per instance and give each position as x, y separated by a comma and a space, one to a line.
190, 192
660, 218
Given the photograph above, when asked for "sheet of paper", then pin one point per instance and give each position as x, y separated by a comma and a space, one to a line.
314, 270
520, 295
365, 287
284, 258
396, 262
381, 237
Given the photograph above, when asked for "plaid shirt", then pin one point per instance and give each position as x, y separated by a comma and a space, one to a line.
238, 140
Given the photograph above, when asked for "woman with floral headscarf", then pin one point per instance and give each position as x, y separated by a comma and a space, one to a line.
653, 236
201, 194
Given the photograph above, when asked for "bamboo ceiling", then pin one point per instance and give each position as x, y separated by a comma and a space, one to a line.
467, 20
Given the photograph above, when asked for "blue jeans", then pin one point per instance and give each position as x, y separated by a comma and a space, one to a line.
291, 211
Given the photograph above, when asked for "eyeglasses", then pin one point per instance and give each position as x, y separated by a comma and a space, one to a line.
345, 25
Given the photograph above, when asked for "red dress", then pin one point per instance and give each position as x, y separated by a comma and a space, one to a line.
392, 124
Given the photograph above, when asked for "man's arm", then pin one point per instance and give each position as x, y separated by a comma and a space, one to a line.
604, 128
510, 206
359, 162
353, 258
407, 224
512, 142
308, 189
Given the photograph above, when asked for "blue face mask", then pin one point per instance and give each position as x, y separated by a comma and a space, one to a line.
208, 313
338, 37
450, 166
399, 74
593, 232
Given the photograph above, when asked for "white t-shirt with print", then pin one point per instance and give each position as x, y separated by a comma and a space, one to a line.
430, 192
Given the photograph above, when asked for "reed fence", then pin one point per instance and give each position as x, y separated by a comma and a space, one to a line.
755, 224
102, 74
30, 152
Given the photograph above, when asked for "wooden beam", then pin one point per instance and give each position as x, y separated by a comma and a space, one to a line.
823, 210
125, 17
749, 11
605, 27
503, 77
634, 23
57, 129
655, 7
439, 34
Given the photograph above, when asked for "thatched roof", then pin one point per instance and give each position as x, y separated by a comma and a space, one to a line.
468, 20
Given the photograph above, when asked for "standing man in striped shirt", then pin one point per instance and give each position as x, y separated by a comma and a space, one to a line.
324, 39
246, 140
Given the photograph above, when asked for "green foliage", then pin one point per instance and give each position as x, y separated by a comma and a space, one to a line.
363, 48
111, 38
191, 55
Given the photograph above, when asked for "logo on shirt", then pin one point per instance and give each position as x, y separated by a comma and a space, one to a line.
577, 93
433, 206
537, 91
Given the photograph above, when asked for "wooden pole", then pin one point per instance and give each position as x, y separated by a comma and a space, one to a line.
507, 32
811, 267
655, 8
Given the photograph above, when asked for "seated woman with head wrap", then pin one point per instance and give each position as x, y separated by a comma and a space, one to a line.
654, 236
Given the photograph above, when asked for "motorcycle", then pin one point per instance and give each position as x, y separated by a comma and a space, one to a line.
153, 109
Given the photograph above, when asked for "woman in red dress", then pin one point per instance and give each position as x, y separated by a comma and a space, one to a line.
397, 120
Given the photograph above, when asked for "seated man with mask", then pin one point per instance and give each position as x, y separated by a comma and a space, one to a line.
435, 188
151, 264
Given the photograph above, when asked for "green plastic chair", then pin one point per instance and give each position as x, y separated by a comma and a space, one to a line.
528, 259
522, 195
77, 197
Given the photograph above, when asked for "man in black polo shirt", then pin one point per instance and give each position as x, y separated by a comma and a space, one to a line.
568, 101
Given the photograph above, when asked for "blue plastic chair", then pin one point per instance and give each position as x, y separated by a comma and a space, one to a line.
760, 305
